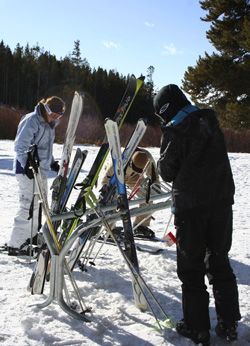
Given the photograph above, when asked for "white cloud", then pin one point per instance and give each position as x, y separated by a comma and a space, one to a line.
170, 50
150, 25
110, 44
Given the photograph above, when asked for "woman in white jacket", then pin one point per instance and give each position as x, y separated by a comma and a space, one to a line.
36, 128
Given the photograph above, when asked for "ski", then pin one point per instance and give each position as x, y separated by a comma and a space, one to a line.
112, 132
151, 239
38, 276
78, 161
37, 279
150, 250
110, 189
139, 247
126, 156
4, 250
59, 183
75, 169
133, 87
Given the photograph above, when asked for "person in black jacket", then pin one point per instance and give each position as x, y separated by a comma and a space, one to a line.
193, 157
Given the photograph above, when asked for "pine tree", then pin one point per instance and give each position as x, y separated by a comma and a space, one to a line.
150, 82
76, 58
221, 80
76, 54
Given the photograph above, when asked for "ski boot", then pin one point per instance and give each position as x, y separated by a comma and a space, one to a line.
227, 331
13, 251
118, 233
198, 337
144, 232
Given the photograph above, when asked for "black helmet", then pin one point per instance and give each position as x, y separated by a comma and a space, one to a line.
169, 100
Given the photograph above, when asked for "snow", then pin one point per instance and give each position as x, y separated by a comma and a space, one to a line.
106, 287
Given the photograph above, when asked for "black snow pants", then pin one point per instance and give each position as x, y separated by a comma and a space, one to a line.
204, 238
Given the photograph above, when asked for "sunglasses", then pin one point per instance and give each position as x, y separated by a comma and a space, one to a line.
49, 111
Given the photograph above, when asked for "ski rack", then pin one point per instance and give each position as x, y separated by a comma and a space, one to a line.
58, 258
112, 207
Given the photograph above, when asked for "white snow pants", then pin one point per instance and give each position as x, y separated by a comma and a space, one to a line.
21, 229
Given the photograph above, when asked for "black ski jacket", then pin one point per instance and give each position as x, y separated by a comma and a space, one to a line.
193, 156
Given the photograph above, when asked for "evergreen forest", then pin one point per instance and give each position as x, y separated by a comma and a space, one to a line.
220, 80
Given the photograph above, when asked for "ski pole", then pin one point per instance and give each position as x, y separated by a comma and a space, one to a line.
168, 237
32, 220
137, 185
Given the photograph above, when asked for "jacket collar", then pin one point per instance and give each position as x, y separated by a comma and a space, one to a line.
182, 114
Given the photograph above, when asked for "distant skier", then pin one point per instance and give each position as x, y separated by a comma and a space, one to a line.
193, 156
36, 128
142, 164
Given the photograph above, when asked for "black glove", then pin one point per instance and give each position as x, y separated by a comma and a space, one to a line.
28, 171
55, 166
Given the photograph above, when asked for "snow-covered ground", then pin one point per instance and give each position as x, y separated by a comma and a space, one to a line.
106, 287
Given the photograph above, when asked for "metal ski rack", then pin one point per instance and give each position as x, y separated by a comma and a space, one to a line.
105, 215
58, 258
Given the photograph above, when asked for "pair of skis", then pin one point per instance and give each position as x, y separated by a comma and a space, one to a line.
61, 188
134, 85
109, 190
139, 285
122, 205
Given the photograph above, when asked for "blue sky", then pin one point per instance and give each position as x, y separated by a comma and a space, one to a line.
125, 35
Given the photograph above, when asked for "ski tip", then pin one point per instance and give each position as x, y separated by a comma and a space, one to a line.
79, 95
168, 323
145, 120
142, 307
110, 121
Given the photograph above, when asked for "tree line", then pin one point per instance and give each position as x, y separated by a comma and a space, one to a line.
30, 73
220, 80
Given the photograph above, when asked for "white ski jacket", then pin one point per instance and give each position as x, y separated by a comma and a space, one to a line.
33, 129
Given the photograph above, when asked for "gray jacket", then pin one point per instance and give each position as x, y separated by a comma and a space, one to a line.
33, 129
